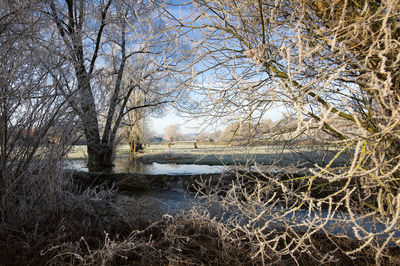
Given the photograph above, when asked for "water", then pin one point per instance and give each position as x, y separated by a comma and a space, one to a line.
153, 204
167, 169
79, 165
126, 166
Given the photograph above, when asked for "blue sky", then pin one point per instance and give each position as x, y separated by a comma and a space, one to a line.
159, 124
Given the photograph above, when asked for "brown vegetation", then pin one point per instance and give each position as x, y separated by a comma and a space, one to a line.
321, 59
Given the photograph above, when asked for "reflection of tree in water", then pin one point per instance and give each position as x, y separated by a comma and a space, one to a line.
155, 203
123, 164
129, 165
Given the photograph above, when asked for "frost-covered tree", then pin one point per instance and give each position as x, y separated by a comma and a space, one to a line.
325, 61
172, 133
100, 40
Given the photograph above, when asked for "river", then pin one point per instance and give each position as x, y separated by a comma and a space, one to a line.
155, 203
125, 166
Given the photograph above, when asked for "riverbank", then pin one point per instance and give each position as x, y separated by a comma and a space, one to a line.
92, 227
193, 238
276, 182
276, 217
215, 155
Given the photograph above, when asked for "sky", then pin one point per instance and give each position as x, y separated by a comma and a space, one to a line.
192, 126
158, 125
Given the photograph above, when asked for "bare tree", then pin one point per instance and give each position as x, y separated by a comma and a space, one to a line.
147, 99
35, 121
240, 132
172, 133
136, 123
108, 32
324, 60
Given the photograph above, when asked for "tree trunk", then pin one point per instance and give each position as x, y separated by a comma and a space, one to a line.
99, 154
138, 146
131, 147
73, 32
135, 146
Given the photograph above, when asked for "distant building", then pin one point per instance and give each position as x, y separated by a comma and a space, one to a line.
156, 140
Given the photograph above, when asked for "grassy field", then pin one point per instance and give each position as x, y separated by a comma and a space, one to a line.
219, 154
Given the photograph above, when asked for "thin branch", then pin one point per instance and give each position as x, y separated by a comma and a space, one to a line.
99, 34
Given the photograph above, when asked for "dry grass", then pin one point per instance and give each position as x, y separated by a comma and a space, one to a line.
189, 239
195, 238
48, 207
85, 227
51, 219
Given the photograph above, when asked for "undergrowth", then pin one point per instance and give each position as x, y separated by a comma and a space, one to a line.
71, 224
